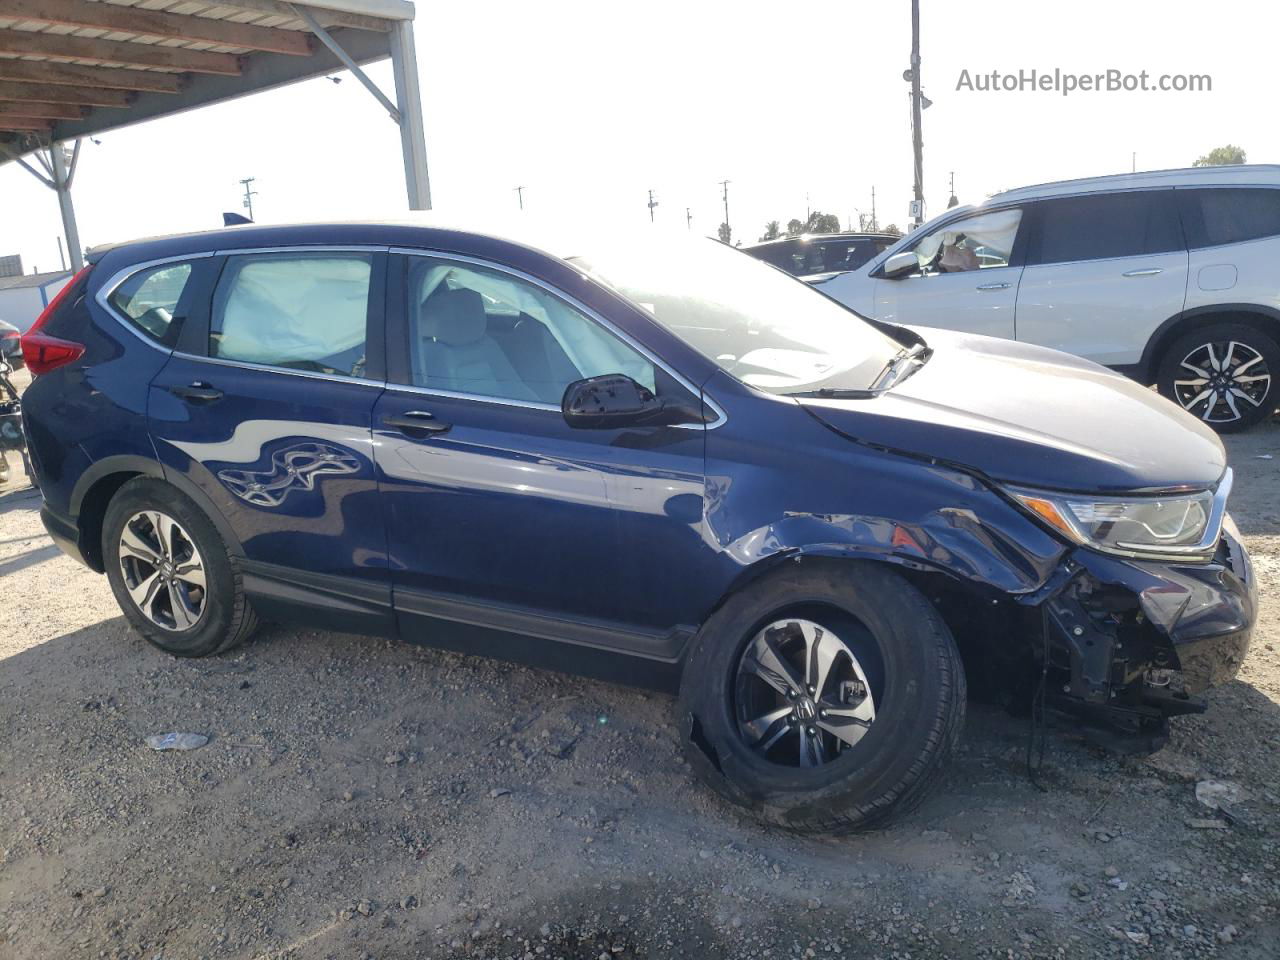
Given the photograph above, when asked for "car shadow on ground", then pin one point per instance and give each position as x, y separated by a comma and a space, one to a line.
359, 794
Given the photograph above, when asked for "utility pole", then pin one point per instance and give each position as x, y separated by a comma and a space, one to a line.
249, 194
917, 142
1134, 162
728, 230
520, 196
874, 226
652, 203
953, 202
688, 218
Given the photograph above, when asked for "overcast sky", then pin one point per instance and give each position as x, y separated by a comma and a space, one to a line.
590, 105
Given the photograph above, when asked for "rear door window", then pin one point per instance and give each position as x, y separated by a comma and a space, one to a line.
1221, 215
149, 300
1106, 226
300, 311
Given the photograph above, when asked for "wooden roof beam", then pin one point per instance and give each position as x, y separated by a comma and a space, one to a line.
43, 111
155, 23
11, 123
64, 47
112, 78
59, 93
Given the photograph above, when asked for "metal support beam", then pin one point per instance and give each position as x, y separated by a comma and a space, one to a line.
413, 145
62, 176
336, 49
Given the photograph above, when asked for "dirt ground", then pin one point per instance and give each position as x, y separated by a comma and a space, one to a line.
360, 798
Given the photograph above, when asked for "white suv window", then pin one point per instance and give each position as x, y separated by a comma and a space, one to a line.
974, 243
1106, 226
1223, 215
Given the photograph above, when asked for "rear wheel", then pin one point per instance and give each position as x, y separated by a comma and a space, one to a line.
824, 697
1222, 373
170, 571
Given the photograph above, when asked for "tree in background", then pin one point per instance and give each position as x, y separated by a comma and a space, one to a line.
818, 222
724, 233
893, 229
772, 231
1221, 157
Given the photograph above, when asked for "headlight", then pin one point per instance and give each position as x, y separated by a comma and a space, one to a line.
1181, 526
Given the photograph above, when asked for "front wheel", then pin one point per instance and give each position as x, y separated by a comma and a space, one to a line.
1222, 373
170, 571
826, 696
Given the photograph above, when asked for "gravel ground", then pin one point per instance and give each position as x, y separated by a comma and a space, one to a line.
360, 798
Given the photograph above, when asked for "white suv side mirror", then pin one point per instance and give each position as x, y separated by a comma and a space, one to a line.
900, 264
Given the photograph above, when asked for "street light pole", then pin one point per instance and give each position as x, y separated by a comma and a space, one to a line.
728, 230
917, 143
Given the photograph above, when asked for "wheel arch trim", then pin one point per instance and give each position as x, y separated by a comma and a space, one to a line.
1168, 331
107, 468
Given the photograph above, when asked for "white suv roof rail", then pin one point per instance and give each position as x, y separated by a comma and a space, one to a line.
1244, 173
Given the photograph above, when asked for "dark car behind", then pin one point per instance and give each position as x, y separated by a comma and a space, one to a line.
812, 254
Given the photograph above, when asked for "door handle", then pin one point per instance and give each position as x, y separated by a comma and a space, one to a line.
1147, 272
994, 286
418, 421
197, 392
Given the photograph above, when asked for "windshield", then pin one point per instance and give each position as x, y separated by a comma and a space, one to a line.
763, 327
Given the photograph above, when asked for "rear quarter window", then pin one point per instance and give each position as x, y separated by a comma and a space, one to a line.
1222, 215
150, 300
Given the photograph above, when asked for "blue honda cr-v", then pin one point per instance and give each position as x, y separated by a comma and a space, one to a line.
666, 463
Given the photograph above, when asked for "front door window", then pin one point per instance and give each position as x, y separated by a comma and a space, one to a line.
974, 243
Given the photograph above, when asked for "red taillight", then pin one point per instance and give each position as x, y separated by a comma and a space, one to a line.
41, 352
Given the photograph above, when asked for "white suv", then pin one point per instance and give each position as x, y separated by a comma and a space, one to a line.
1171, 277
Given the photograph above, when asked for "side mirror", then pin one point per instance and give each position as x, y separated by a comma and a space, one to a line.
615, 400
899, 265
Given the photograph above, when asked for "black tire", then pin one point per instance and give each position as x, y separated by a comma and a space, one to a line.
1176, 381
920, 712
226, 618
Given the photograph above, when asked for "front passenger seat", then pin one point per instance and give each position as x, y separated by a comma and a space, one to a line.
455, 351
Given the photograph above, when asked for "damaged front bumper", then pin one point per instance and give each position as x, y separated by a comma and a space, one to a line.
1129, 643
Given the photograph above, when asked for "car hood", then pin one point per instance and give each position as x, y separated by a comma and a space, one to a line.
1027, 415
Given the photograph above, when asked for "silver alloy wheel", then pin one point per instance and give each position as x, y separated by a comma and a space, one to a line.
162, 570
801, 696
1223, 375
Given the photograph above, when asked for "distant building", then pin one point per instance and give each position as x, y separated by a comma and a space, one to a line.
11, 266
23, 298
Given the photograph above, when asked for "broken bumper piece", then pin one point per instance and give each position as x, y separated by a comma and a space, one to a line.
1130, 643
